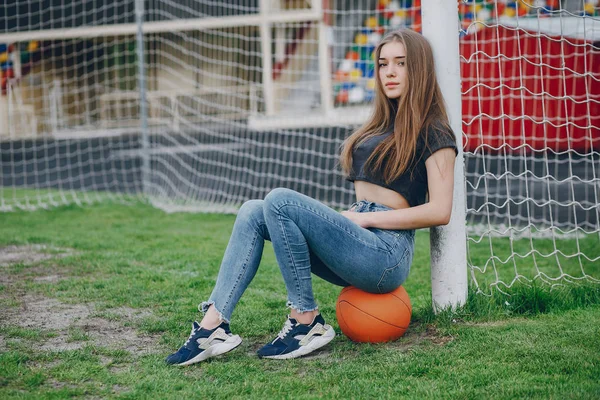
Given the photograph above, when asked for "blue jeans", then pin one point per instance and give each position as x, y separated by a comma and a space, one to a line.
309, 238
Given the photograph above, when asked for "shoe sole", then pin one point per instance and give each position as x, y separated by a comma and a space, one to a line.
314, 344
215, 350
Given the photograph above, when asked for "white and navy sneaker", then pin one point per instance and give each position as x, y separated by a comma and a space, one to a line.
203, 344
296, 339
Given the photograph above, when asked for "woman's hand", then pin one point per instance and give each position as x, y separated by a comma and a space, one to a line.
358, 218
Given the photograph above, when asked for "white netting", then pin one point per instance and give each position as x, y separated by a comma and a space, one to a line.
249, 95
531, 119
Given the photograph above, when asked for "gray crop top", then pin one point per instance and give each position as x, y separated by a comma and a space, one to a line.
414, 190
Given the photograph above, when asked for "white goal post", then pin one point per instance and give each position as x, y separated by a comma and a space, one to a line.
449, 285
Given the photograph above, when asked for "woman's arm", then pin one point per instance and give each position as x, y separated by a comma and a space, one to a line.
440, 178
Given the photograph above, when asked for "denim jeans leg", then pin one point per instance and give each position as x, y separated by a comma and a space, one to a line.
321, 270
291, 250
241, 259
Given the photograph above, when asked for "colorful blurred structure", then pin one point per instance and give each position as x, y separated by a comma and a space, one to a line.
354, 82
15, 61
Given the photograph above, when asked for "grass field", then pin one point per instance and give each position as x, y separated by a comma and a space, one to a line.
93, 298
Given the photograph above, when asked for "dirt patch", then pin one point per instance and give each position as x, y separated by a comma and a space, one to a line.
414, 337
75, 326
61, 385
43, 313
48, 278
38, 274
30, 254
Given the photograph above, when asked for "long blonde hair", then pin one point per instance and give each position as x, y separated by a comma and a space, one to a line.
420, 108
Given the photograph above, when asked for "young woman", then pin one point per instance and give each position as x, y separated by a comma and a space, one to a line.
405, 152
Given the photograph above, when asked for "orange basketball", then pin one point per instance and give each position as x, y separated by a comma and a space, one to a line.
373, 318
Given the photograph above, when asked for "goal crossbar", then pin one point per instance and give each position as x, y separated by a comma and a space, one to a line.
192, 24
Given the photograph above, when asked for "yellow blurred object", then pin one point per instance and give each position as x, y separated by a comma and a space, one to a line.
590, 9
355, 75
384, 2
33, 46
361, 39
401, 13
371, 22
509, 12
371, 84
3, 57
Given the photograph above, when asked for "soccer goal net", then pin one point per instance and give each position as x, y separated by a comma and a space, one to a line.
531, 123
248, 95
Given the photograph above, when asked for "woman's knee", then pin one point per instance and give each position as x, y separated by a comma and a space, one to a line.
251, 210
278, 197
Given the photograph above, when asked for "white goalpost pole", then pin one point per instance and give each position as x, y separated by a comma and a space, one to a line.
139, 16
324, 59
448, 243
267, 53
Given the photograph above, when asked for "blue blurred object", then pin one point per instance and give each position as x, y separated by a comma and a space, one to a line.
367, 68
6, 65
347, 85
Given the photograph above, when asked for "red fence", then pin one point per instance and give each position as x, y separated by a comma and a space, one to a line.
525, 90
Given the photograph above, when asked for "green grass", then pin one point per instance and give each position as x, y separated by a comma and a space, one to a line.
539, 342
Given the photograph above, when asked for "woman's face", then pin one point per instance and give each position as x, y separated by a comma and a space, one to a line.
392, 69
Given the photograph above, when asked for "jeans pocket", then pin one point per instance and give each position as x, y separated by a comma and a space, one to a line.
393, 277
394, 238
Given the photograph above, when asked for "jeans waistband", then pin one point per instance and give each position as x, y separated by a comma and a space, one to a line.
368, 206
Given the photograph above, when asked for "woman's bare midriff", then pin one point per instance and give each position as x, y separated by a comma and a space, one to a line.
378, 194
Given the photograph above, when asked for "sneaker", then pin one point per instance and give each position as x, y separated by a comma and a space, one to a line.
296, 339
203, 344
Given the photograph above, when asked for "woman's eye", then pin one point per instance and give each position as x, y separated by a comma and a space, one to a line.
401, 63
381, 65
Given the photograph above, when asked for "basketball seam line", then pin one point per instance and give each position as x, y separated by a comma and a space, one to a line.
378, 319
407, 305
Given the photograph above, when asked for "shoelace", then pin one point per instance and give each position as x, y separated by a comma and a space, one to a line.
191, 336
285, 330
